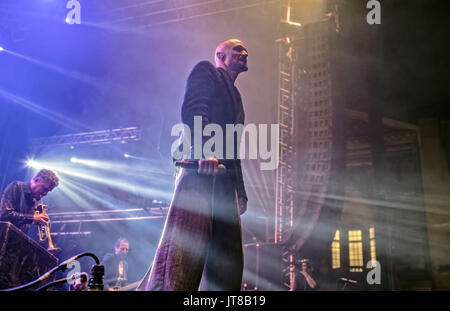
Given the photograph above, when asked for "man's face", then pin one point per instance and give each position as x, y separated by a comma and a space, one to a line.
40, 188
122, 249
236, 57
306, 267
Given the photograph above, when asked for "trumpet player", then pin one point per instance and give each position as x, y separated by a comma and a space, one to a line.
19, 200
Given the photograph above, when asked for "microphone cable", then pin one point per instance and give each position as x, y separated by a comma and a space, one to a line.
76, 276
46, 275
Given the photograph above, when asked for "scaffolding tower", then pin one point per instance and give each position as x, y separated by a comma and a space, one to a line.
306, 116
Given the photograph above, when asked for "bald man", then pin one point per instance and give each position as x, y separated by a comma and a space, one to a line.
201, 244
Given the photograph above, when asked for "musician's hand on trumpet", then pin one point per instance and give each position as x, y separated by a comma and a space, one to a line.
41, 219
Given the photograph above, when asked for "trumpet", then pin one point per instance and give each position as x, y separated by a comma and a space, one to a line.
44, 230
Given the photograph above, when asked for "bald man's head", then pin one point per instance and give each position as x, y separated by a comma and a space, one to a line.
231, 55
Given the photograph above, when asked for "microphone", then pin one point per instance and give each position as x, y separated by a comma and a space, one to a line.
189, 164
348, 280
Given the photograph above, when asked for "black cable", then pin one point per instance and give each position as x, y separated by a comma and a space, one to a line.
73, 277
45, 276
45, 286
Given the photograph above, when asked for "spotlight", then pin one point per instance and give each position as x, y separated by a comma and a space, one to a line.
1, 49
73, 160
32, 163
67, 20
126, 155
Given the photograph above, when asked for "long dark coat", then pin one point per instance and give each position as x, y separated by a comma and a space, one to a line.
201, 241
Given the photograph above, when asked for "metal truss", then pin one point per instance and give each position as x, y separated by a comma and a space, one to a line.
123, 135
74, 221
284, 196
305, 116
149, 13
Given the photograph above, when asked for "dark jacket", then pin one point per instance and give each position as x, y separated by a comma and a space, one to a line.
111, 263
211, 94
17, 205
302, 285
